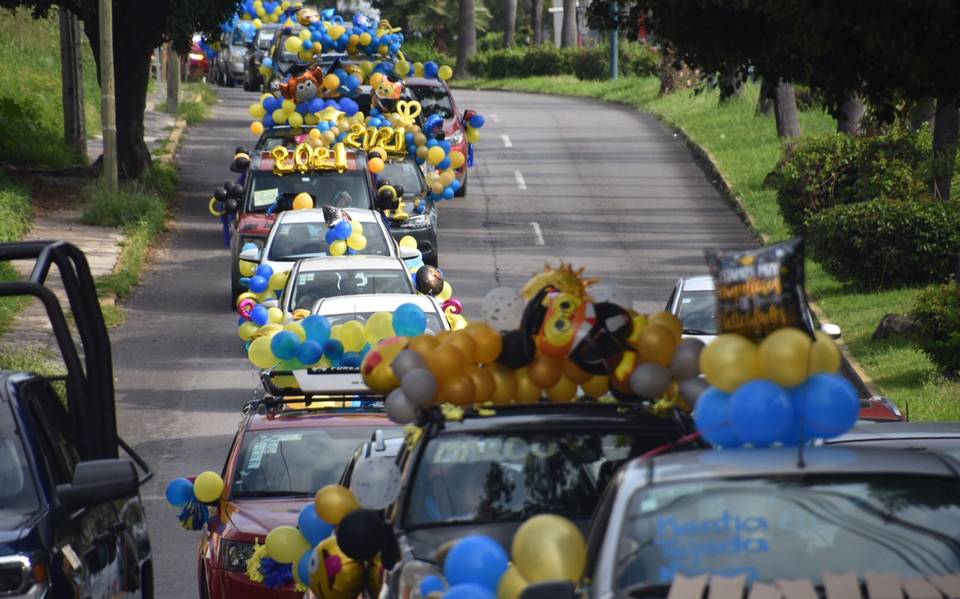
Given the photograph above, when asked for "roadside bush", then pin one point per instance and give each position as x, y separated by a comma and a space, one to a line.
547, 60
937, 314
638, 60
886, 243
820, 172
422, 49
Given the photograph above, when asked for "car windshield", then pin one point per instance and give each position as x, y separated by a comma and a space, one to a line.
794, 528
312, 286
293, 241
265, 40
405, 174
284, 462
434, 100
328, 188
493, 477
698, 311
18, 496
241, 37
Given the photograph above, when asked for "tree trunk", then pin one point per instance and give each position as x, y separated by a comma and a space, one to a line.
467, 38
510, 28
946, 126
850, 115
921, 113
568, 32
785, 110
766, 99
536, 16
731, 86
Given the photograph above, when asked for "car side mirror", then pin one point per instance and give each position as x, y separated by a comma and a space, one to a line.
250, 255
99, 481
831, 330
554, 589
410, 254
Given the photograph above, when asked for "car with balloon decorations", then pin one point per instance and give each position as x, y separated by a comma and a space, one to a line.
285, 448
314, 279
416, 213
236, 45
262, 45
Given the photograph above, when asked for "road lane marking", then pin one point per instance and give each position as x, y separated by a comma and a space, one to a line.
537, 234
506, 141
520, 182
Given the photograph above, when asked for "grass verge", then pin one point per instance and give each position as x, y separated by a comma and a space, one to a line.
15, 213
196, 109
744, 147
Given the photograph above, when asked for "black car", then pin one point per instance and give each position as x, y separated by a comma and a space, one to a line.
262, 44
71, 520
421, 217
488, 472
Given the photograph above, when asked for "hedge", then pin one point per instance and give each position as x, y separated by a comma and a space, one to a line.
937, 314
546, 60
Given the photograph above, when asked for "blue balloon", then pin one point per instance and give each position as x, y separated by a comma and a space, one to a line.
323, 125
760, 412
303, 567
830, 405
794, 434
343, 229
258, 284
469, 591
330, 236
317, 328
285, 344
711, 418
431, 584
312, 526
349, 107
260, 315
476, 121
455, 185
249, 246
431, 142
268, 62
265, 271
309, 352
271, 104
448, 193
179, 492
476, 560
351, 359
444, 164
333, 349
430, 70
268, 121
315, 105
353, 82
307, 44
409, 320
445, 145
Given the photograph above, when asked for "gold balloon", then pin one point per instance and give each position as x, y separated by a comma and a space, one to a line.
458, 390
247, 268
527, 390
730, 361
545, 371
824, 355
549, 547
575, 373
464, 342
511, 584
483, 383
666, 319
424, 344
656, 343
596, 386
489, 343
783, 356
563, 392
504, 384
333, 502
446, 361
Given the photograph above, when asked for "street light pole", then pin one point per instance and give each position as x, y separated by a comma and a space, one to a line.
615, 42
108, 105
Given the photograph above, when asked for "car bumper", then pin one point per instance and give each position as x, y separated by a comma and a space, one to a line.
235, 70
426, 239
236, 585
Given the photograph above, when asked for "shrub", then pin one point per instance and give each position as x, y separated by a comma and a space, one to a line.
638, 60
820, 172
129, 206
937, 314
546, 60
591, 63
886, 243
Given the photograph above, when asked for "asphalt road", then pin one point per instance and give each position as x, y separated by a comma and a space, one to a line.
556, 178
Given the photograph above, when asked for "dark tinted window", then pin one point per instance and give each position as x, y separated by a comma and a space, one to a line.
294, 241
312, 286
434, 100
18, 495
329, 188
405, 174
698, 311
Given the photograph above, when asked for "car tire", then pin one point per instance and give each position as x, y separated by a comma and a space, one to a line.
463, 188
235, 288
146, 581
204, 591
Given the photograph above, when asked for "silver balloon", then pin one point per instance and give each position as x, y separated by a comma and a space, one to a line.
686, 359
399, 408
611, 294
406, 361
691, 389
502, 308
649, 381
420, 386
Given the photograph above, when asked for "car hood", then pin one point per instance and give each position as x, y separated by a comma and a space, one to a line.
424, 542
257, 517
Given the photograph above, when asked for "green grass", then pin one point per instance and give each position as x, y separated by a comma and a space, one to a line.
31, 103
32, 358
15, 213
196, 109
745, 148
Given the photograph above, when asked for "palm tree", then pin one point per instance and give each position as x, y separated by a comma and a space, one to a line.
536, 16
568, 34
510, 28
467, 37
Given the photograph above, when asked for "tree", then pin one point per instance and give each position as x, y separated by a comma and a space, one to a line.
510, 24
568, 31
466, 38
536, 21
437, 21
139, 27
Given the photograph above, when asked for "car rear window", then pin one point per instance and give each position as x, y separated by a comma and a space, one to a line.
293, 241
434, 100
796, 527
480, 478
312, 286
698, 311
18, 495
405, 174
346, 190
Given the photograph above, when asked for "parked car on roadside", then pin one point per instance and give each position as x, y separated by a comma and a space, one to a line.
231, 60
262, 44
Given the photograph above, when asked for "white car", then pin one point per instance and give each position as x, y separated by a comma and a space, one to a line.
299, 234
347, 381
315, 279
694, 302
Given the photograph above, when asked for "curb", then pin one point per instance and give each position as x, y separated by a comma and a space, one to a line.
850, 367
173, 141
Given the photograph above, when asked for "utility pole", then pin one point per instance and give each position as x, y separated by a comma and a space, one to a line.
615, 41
108, 106
173, 80
71, 75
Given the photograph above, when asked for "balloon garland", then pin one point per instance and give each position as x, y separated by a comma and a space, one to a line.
193, 498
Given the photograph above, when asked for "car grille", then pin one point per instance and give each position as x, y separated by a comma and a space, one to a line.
12, 578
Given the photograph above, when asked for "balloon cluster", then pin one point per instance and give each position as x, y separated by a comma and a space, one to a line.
345, 237
258, 12
784, 390
312, 110
546, 548
226, 198
337, 547
191, 498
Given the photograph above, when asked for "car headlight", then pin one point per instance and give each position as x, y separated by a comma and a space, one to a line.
415, 221
456, 137
195, 56
412, 574
235, 555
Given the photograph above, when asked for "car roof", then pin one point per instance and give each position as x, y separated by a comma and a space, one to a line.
698, 283
386, 302
877, 431
422, 82
288, 419
315, 215
344, 263
783, 461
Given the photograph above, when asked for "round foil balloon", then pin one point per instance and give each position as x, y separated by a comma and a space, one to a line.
375, 482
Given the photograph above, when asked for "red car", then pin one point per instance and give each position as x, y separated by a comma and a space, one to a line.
198, 64
435, 98
277, 462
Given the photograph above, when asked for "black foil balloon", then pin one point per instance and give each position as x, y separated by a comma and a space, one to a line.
429, 280
602, 348
360, 534
518, 350
231, 205
235, 190
220, 194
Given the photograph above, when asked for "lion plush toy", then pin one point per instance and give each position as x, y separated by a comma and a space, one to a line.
303, 87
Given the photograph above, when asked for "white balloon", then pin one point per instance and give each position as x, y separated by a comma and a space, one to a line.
502, 308
375, 482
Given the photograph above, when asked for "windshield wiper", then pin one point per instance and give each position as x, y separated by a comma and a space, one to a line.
698, 332
264, 494
651, 591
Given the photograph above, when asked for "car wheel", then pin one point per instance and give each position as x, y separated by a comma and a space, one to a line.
204, 591
235, 288
463, 188
146, 581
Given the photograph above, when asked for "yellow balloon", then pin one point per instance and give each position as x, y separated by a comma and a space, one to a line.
365, 39
260, 353
293, 44
302, 201
247, 268
473, 135
288, 106
285, 544
279, 116
408, 242
338, 248
357, 242
375, 79
314, 134
418, 69
549, 547
257, 111
445, 293
824, 354
447, 177
296, 329
435, 155
336, 31
248, 330
379, 327
331, 82
356, 228
208, 487
353, 336
457, 159
295, 119
305, 34
333, 502
278, 280
269, 330
275, 315
783, 356
445, 73
511, 584
730, 361
402, 68
256, 127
